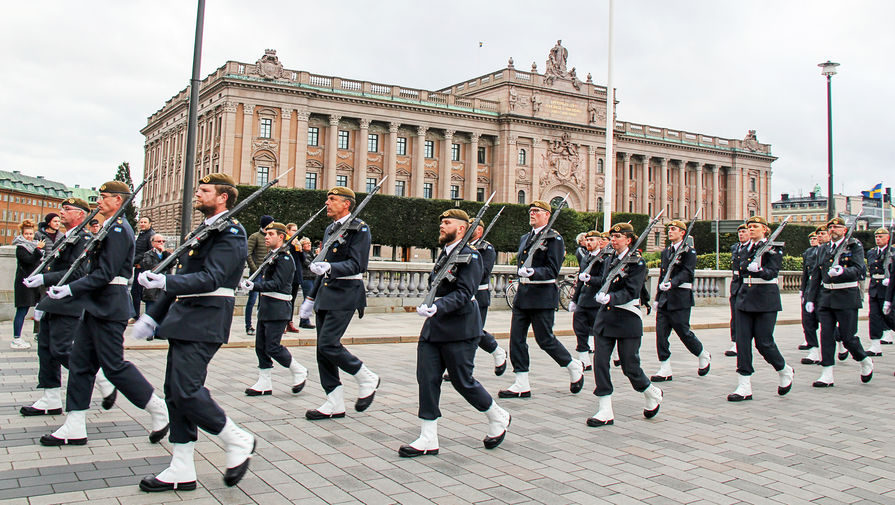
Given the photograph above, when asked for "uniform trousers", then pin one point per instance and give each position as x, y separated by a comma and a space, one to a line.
583, 324
136, 292
267, 344
809, 327
487, 342
541, 322
879, 321
331, 354
99, 343
189, 402
54, 341
844, 324
432, 359
679, 321
628, 354
733, 318
757, 326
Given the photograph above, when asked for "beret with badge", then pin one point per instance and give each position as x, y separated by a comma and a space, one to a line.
279, 227
218, 178
454, 214
540, 204
77, 202
881, 231
115, 187
742, 227
621, 228
757, 219
677, 223
836, 221
593, 233
820, 228
341, 191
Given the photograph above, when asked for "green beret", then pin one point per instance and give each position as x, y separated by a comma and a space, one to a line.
77, 202
115, 187
677, 223
540, 204
757, 219
605, 234
621, 228
881, 231
218, 178
341, 191
836, 221
812, 234
481, 223
820, 228
742, 227
280, 227
593, 233
454, 214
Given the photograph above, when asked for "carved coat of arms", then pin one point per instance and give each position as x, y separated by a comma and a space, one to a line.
269, 66
561, 163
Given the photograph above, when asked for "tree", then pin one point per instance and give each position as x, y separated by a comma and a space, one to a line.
124, 175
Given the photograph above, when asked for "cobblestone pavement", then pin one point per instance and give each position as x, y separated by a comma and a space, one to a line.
812, 446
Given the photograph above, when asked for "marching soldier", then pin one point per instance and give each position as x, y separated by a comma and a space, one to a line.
674, 303
195, 316
274, 313
758, 301
583, 306
876, 292
448, 340
99, 338
488, 255
337, 293
809, 319
735, 283
535, 304
834, 292
620, 323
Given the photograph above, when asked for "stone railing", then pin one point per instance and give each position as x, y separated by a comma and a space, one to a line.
696, 139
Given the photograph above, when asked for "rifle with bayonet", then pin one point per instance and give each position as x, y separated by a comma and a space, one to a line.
680, 250
70, 238
614, 271
539, 240
338, 234
272, 255
443, 269
841, 247
488, 229
769, 243
887, 257
203, 230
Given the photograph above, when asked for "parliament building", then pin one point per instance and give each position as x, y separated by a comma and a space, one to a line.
523, 134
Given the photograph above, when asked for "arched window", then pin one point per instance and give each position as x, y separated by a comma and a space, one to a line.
600, 166
522, 157
520, 197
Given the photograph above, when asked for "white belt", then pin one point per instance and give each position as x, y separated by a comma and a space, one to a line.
471, 298
483, 287
686, 285
878, 276
217, 292
751, 281
840, 285
526, 280
278, 296
118, 281
359, 277
633, 306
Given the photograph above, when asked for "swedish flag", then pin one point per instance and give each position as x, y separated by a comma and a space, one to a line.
876, 192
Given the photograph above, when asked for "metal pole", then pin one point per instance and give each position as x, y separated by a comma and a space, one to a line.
831, 204
609, 181
186, 214
717, 244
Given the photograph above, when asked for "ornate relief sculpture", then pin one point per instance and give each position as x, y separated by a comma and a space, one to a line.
269, 66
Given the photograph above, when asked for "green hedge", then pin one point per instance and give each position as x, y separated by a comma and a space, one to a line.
795, 237
707, 262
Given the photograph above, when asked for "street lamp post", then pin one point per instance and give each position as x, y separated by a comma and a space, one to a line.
828, 68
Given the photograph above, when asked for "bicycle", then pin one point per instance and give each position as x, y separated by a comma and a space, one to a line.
565, 284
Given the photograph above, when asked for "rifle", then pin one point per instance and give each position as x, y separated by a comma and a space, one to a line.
887, 258
841, 247
443, 270
618, 266
769, 243
490, 225
337, 235
271, 256
101, 234
539, 240
683, 247
70, 238
203, 230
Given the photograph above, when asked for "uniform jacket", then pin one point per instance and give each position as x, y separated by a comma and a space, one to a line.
736, 251
346, 259
584, 293
277, 278
682, 272
67, 306
458, 315
113, 257
214, 263
613, 321
875, 259
809, 257
488, 256
760, 297
852, 260
546, 264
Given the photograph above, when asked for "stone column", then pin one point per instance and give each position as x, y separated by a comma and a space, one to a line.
503, 170
359, 181
625, 194
734, 193
285, 136
643, 186
419, 162
472, 168
330, 154
716, 193
246, 175
537, 153
682, 190
391, 158
228, 130
590, 196
663, 185
301, 147
444, 166
698, 198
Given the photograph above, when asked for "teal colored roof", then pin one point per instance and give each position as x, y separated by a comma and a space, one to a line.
87, 194
15, 181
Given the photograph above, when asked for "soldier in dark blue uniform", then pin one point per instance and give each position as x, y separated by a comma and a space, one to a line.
674, 302
448, 341
194, 315
835, 293
583, 305
274, 312
337, 293
535, 304
99, 338
59, 319
758, 302
620, 323
876, 291
809, 319
735, 283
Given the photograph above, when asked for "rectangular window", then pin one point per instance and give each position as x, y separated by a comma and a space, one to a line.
480, 194
371, 184
313, 135
481, 155
427, 190
402, 146
377, 251
343, 139
310, 180
455, 152
341, 180
429, 149
266, 125
455, 192
752, 183
399, 188
373, 143
262, 175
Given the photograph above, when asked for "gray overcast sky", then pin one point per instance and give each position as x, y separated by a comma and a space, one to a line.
80, 78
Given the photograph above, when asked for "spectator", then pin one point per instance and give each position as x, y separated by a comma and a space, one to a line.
257, 253
581, 251
48, 231
93, 226
155, 255
307, 282
143, 245
28, 255
291, 229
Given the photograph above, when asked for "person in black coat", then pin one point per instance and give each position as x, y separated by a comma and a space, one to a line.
619, 324
583, 306
195, 317
448, 341
809, 319
758, 302
29, 253
735, 283
142, 244
155, 255
274, 286
304, 257
876, 291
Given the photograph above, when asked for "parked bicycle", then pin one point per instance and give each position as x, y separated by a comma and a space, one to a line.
566, 285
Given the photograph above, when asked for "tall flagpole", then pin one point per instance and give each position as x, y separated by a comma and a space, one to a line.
609, 182
186, 212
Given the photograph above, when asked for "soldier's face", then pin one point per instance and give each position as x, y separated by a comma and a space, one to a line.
449, 230
538, 217
208, 199
591, 243
822, 237
272, 239
336, 206
882, 239
71, 216
619, 241
109, 203
675, 234
477, 234
757, 231
837, 231
743, 235
812, 241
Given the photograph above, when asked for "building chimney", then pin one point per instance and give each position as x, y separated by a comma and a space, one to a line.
811, 195
784, 196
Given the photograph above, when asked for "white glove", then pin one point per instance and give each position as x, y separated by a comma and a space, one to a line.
150, 280
307, 307
602, 298
525, 272
809, 307
887, 308
835, 270
427, 310
38, 315
800, 294
584, 277
665, 286
886, 282
572, 306
320, 267
144, 327
246, 284
753, 267
34, 281
59, 292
